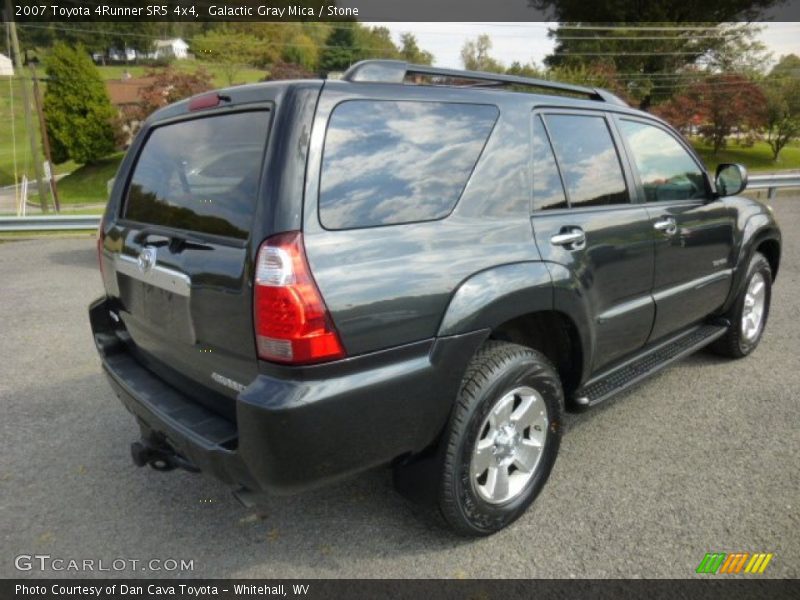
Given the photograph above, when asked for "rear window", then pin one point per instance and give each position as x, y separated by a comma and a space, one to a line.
388, 162
201, 175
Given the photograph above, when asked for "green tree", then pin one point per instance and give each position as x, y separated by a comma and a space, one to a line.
783, 104
602, 75
270, 42
78, 112
788, 66
525, 70
374, 42
411, 52
302, 51
475, 55
652, 62
231, 50
340, 51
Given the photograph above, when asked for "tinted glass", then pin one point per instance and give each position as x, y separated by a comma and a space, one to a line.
547, 189
665, 167
200, 175
398, 162
588, 159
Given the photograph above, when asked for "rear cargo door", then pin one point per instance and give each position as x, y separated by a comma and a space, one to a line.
178, 272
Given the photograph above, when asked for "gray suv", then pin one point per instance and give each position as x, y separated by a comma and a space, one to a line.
415, 267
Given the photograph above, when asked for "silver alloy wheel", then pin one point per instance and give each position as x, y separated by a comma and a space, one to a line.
754, 302
509, 446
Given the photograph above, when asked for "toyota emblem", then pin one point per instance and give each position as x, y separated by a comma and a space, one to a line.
147, 258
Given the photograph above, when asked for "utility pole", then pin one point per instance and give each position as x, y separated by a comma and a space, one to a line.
37, 166
45, 138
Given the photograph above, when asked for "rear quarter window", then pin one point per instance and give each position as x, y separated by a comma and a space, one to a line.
200, 175
387, 162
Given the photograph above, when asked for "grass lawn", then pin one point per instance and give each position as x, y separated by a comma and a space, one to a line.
87, 184
12, 124
756, 158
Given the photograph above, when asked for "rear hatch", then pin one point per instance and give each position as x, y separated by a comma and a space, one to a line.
176, 251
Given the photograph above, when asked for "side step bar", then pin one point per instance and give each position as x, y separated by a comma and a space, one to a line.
651, 361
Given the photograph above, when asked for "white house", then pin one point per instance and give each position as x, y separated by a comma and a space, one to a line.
126, 54
174, 48
6, 67
115, 55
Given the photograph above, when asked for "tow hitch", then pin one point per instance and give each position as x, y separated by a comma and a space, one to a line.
160, 458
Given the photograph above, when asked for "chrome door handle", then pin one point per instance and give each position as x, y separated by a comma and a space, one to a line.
574, 237
666, 225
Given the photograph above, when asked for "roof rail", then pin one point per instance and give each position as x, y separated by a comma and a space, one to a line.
396, 71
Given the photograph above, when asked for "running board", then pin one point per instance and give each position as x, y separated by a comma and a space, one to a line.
653, 360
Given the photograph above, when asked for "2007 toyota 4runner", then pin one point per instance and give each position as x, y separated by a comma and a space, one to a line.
411, 266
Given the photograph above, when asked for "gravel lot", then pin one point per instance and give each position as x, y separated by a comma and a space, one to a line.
703, 457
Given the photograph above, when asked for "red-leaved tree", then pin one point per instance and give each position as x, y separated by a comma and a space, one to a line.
280, 71
166, 85
170, 85
719, 105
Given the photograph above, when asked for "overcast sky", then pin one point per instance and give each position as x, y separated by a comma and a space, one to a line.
524, 42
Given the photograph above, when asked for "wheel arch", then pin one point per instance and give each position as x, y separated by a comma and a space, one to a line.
517, 303
553, 334
771, 249
759, 234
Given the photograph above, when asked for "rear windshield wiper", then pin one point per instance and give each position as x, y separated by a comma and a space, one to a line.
177, 242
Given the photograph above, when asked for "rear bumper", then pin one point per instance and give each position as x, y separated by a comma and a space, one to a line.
298, 428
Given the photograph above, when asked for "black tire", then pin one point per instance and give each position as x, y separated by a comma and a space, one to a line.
734, 344
496, 369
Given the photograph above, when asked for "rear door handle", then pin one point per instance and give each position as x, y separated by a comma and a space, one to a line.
666, 225
573, 236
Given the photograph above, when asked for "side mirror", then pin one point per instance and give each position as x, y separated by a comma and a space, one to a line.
730, 179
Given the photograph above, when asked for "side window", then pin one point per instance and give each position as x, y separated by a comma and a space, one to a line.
667, 170
588, 159
387, 162
548, 193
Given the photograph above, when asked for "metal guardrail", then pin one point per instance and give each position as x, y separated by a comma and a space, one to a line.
50, 223
773, 183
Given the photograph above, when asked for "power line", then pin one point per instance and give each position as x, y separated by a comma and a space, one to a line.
559, 26
624, 53
595, 38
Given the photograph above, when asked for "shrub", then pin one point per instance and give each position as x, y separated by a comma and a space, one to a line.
78, 112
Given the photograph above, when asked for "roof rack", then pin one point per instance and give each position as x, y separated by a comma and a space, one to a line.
397, 71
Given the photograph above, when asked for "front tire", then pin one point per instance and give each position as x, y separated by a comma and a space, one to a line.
502, 439
749, 313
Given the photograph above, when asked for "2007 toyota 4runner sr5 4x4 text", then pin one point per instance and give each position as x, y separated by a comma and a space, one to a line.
308, 279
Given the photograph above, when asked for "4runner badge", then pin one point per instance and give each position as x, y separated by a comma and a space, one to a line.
227, 382
147, 258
